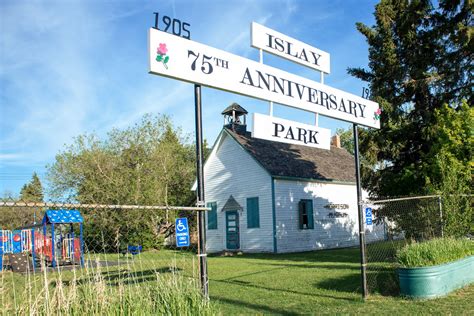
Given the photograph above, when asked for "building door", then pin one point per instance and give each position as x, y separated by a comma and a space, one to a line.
232, 230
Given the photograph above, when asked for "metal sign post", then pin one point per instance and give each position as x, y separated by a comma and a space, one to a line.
200, 193
363, 259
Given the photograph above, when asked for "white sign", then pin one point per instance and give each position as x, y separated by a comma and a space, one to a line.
284, 46
179, 58
285, 131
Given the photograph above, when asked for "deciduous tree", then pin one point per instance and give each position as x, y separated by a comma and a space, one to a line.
151, 163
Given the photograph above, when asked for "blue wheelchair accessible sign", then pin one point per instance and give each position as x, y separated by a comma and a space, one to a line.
182, 232
368, 216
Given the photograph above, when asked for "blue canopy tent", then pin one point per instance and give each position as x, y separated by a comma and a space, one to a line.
63, 217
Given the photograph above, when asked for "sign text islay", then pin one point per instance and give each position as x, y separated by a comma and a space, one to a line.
289, 48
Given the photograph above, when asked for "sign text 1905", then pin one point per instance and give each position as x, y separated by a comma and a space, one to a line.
174, 26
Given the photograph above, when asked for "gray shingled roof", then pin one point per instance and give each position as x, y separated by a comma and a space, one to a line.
234, 107
296, 161
231, 204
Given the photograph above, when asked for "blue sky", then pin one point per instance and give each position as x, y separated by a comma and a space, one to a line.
74, 67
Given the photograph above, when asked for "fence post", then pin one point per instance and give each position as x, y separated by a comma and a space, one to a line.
440, 205
363, 259
200, 194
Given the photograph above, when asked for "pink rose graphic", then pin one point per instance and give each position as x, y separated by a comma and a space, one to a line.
377, 114
162, 49
161, 55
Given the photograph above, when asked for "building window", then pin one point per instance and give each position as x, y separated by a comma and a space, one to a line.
212, 216
305, 209
253, 213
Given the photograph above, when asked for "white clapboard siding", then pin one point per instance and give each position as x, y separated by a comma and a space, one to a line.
230, 170
328, 232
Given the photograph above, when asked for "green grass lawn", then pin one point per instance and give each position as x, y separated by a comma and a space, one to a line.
111, 269
152, 283
321, 282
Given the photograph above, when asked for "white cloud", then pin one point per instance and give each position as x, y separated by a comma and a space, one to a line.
10, 156
70, 67
50, 90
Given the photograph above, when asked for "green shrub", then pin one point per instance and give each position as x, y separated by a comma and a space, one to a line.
434, 252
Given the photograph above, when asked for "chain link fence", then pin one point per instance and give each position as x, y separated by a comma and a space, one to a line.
397, 222
43, 245
120, 248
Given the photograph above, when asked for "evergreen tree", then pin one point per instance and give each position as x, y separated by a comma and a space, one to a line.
18, 216
32, 191
420, 58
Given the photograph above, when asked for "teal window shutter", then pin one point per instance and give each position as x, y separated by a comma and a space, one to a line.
212, 216
302, 214
309, 208
305, 212
253, 213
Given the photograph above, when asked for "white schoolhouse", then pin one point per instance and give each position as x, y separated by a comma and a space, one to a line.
275, 197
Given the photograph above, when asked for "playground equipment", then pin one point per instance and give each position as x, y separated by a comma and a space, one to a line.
71, 249
14, 244
133, 250
52, 242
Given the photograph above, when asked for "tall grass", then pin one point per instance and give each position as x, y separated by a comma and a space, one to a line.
434, 252
101, 290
